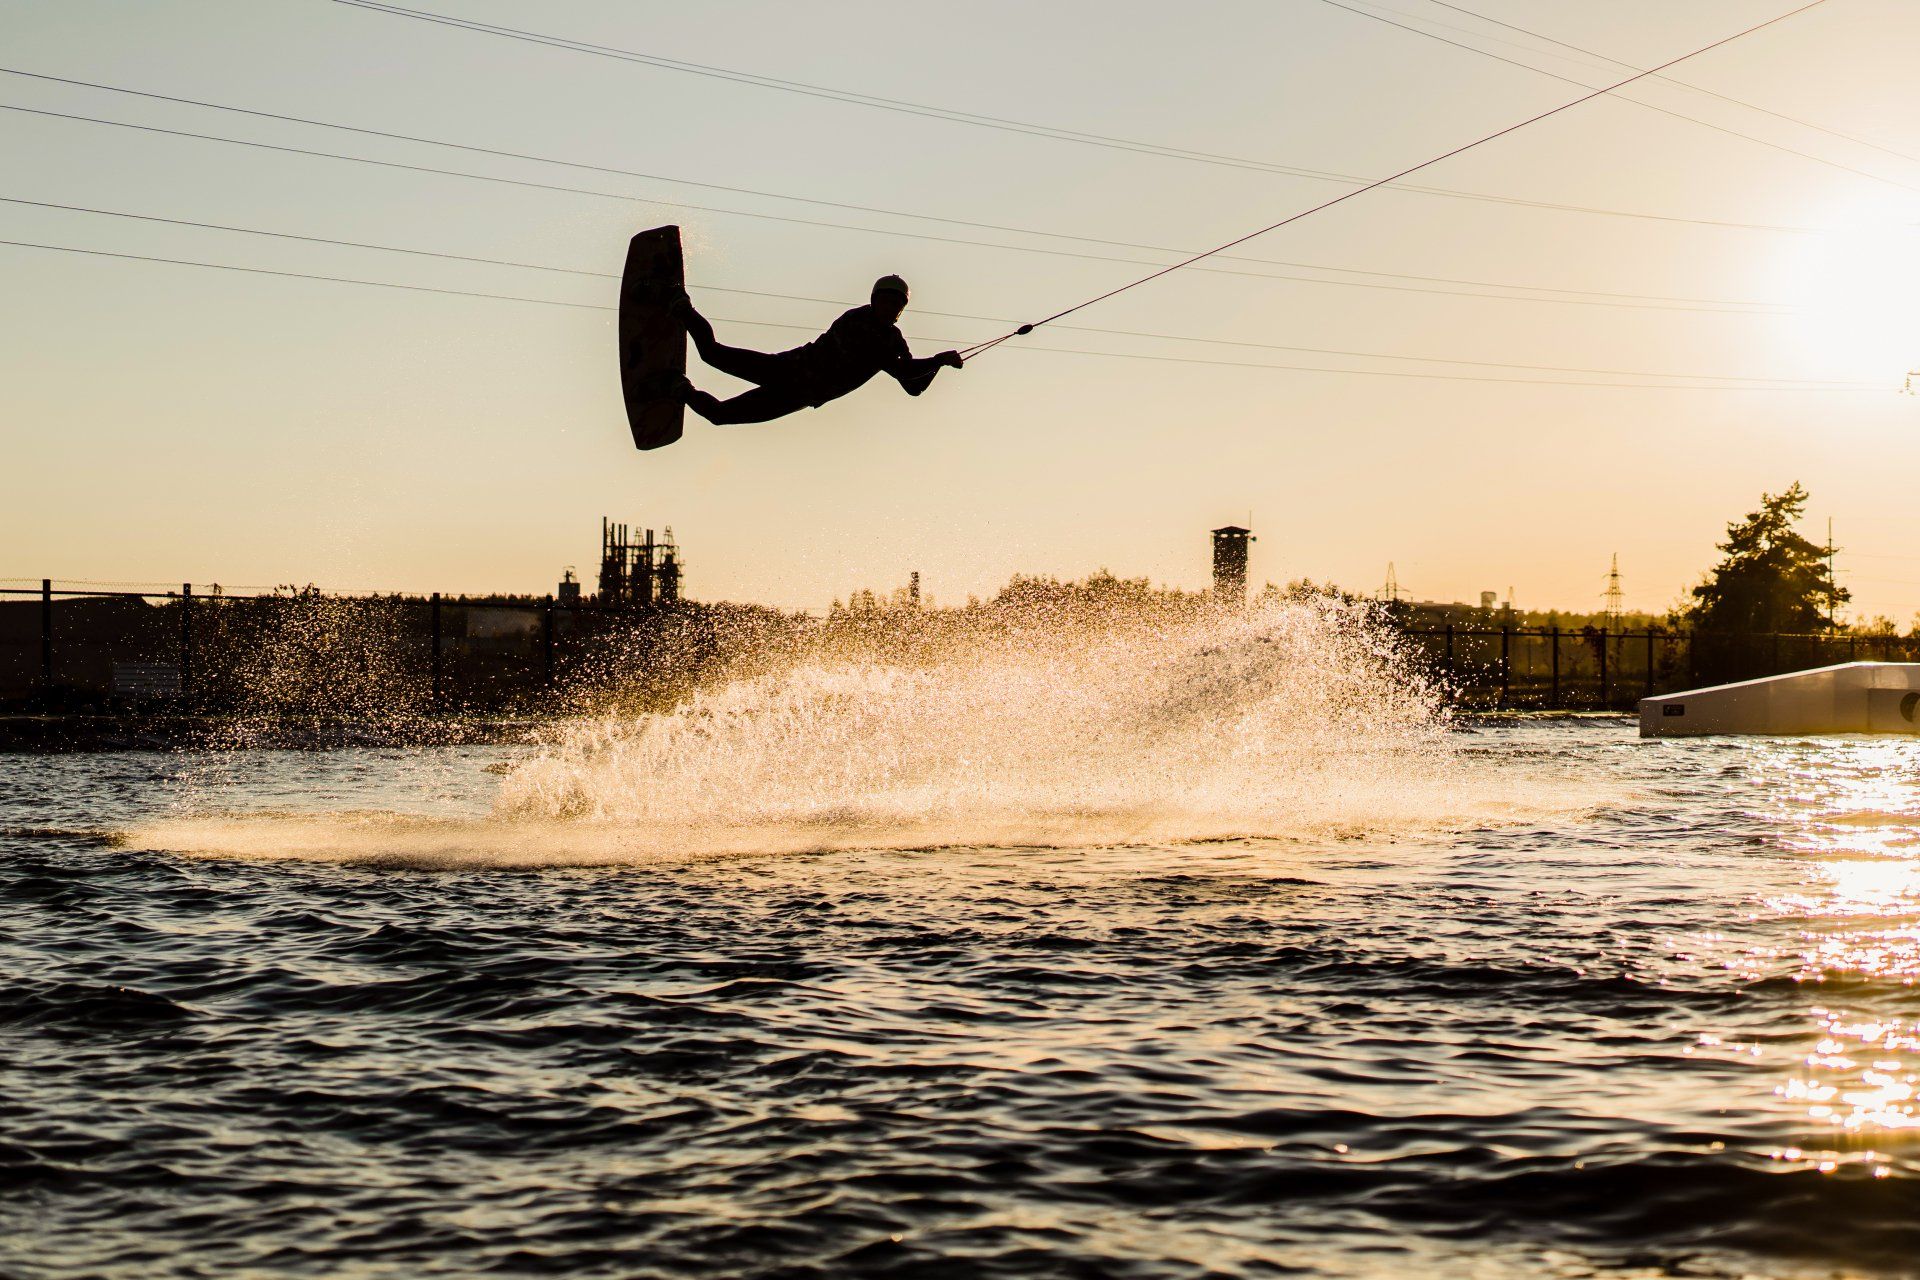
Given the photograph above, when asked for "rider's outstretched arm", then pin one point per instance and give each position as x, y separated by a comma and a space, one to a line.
916, 375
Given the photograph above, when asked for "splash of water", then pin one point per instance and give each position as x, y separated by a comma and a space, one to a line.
1296, 718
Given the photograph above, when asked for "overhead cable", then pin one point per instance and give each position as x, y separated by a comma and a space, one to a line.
1424, 164
1784, 385
1648, 106
403, 166
1688, 85
835, 204
841, 302
1003, 123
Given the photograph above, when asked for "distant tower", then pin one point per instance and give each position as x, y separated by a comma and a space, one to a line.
1831, 580
1230, 564
1390, 589
667, 572
1614, 595
913, 589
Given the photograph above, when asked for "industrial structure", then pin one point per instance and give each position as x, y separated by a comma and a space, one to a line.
1616, 597
1230, 565
637, 571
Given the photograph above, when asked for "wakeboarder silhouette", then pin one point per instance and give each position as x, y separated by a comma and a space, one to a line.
863, 342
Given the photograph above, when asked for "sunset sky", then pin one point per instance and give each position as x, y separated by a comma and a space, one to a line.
167, 423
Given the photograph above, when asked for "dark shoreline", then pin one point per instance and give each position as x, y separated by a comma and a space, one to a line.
57, 734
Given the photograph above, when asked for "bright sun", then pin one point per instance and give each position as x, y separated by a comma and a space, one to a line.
1856, 291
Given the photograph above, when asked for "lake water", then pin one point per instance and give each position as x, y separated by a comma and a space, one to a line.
1530, 998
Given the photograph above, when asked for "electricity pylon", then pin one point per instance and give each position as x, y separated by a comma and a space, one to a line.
1614, 595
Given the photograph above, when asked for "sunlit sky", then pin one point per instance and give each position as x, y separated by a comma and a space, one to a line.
166, 423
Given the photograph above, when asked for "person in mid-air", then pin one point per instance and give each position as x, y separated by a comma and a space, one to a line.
861, 343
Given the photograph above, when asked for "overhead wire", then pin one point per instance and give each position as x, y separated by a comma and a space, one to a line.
624, 197
1686, 84
1592, 60
1185, 263
1024, 329
1017, 126
1648, 106
1785, 384
1478, 33
442, 255
308, 239
306, 275
828, 93
1443, 377
584, 165
503, 153
956, 115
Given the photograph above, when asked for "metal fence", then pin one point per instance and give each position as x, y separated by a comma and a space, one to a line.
193, 650
1593, 668
207, 649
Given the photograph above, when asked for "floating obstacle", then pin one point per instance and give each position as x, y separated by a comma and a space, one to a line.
1854, 697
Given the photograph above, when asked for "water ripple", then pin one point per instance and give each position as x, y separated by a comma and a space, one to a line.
1674, 1031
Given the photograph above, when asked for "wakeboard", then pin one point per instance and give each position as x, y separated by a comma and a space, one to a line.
653, 341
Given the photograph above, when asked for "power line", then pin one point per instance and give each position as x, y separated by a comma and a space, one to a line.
307, 275
632, 173
841, 302
835, 204
310, 239
1683, 84
1003, 123
1024, 329
281, 148
1441, 377
1478, 34
1117, 355
1647, 106
845, 96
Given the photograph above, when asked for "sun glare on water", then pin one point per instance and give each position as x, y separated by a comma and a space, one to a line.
1856, 820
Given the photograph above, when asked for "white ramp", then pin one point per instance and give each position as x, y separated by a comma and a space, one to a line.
1854, 697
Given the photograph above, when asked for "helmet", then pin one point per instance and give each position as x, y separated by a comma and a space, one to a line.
890, 284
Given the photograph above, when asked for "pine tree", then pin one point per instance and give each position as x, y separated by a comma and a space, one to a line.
1771, 578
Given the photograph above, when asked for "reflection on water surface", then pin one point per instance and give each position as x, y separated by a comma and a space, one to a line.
1634, 1008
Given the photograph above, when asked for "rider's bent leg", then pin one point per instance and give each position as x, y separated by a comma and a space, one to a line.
749, 366
762, 404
